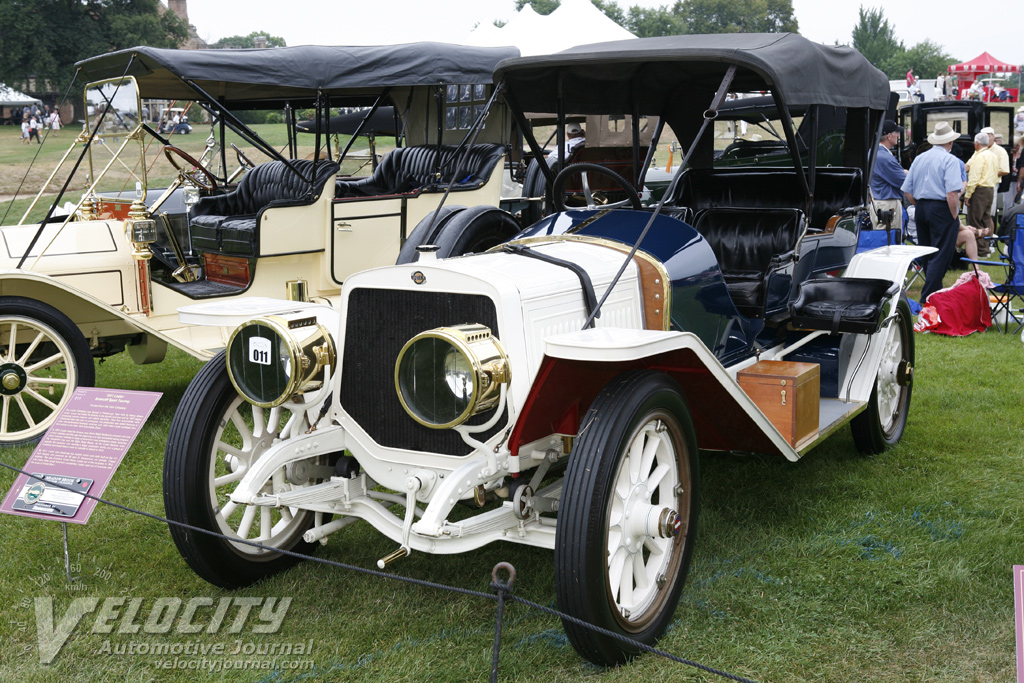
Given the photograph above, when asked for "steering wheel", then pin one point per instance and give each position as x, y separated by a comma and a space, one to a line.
594, 200
197, 174
243, 161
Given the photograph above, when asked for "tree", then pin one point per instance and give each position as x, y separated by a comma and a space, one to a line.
249, 41
545, 7
647, 23
926, 59
736, 16
42, 39
874, 38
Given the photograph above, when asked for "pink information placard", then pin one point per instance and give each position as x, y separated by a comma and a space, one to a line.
1018, 611
79, 454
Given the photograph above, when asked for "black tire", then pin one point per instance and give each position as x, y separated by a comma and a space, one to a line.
475, 230
558, 186
204, 418
426, 232
33, 394
635, 408
535, 186
881, 425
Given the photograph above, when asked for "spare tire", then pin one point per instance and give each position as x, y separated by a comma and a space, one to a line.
475, 230
426, 232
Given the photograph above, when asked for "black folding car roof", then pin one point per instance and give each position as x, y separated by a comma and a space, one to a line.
652, 72
294, 73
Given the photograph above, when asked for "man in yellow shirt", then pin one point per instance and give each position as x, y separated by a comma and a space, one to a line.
982, 178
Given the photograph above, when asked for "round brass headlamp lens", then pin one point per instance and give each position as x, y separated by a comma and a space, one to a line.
274, 358
447, 375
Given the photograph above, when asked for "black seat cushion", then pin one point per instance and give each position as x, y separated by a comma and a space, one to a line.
228, 222
407, 169
842, 304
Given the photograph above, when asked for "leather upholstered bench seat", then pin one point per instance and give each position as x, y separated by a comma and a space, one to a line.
227, 223
412, 168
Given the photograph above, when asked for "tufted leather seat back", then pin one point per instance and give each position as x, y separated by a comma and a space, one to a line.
410, 168
268, 183
747, 239
751, 245
834, 189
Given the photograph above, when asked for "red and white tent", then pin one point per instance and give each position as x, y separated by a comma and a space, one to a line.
970, 71
983, 64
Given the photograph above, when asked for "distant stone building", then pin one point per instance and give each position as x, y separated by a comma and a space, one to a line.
180, 7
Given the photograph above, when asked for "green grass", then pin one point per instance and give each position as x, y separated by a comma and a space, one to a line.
839, 567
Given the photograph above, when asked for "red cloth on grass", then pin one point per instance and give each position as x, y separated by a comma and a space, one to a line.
957, 311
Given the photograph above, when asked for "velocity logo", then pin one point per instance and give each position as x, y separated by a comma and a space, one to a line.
128, 615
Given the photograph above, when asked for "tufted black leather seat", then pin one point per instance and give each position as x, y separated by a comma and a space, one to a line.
751, 245
408, 169
227, 223
835, 189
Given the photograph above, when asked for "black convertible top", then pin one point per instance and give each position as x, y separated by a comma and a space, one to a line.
605, 78
294, 73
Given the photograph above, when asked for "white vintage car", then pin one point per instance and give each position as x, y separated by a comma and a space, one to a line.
112, 272
555, 390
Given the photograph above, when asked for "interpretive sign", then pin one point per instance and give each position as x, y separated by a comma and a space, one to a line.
79, 454
1018, 604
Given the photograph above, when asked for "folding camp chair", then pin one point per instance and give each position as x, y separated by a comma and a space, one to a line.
1012, 290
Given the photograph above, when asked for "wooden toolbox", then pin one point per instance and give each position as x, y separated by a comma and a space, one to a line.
787, 393
228, 270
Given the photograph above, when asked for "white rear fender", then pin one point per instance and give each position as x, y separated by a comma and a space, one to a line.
886, 263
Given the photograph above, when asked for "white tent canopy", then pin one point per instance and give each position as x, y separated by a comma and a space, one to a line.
9, 97
575, 22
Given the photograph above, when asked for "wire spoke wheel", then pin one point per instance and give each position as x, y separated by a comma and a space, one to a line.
881, 425
627, 517
215, 439
244, 435
43, 359
639, 558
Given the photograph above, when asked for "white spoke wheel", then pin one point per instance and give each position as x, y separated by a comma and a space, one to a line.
215, 438
627, 516
43, 359
881, 425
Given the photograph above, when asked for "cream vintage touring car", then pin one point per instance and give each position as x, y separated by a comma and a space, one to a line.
554, 391
112, 272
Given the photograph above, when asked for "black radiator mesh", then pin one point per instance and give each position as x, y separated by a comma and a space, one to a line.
379, 323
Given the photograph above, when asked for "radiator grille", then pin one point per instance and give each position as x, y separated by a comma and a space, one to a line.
380, 322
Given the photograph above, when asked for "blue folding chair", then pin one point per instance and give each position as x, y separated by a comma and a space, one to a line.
872, 239
1012, 290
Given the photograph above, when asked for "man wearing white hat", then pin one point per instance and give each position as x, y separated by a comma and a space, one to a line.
1003, 157
933, 186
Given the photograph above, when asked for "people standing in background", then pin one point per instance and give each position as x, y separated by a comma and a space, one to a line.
933, 186
887, 177
33, 129
910, 78
53, 122
1016, 172
26, 123
982, 178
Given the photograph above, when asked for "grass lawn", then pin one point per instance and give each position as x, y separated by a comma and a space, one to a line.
839, 567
